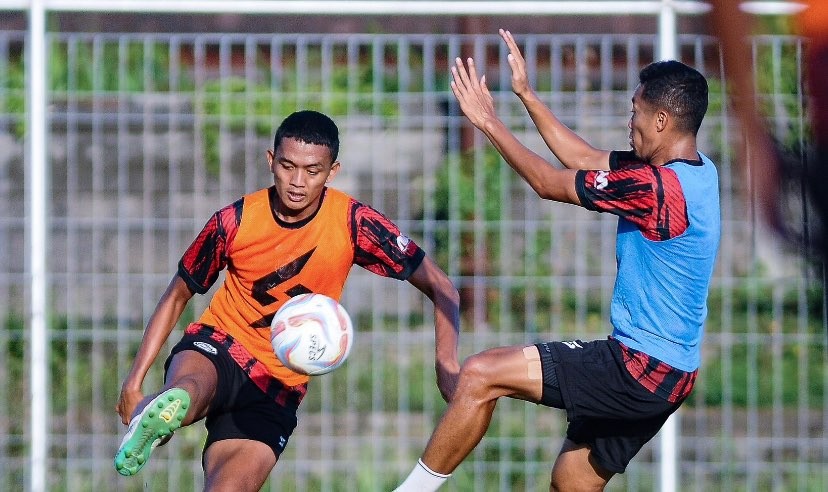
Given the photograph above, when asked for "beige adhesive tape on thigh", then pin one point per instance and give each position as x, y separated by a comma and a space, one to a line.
534, 365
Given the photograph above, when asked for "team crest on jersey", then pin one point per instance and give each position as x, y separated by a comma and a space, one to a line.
403, 242
601, 180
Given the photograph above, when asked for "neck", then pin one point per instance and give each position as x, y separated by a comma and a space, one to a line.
682, 149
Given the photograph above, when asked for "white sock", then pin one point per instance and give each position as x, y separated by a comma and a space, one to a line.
422, 479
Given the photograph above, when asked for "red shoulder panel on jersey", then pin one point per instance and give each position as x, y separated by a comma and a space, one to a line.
206, 257
648, 196
380, 247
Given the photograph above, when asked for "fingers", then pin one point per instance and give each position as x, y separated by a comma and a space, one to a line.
513, 64
458, 84
473, 79
511, 44
126, 405
465, 80
120, 409
471, 92
508, 38
463, 76
484, 88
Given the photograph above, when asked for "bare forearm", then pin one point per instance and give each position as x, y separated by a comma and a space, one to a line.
434, 283
573, 151
547, 181
163, 320
446, 327
447, 337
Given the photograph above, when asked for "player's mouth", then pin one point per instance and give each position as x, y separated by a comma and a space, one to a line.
295, 197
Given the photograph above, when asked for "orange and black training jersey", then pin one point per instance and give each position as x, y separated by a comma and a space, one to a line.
269, 261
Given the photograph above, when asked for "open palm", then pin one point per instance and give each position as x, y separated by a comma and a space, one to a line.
471, 92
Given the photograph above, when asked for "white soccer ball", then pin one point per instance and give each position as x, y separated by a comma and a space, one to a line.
312, 334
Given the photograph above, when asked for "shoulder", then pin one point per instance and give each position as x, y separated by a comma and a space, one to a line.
336, 195
620, 159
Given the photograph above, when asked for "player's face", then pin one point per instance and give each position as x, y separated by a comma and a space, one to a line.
300, 171
642, 127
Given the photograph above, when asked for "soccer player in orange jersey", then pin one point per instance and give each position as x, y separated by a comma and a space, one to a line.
296, 236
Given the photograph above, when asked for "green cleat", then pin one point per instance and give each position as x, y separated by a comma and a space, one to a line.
153, 426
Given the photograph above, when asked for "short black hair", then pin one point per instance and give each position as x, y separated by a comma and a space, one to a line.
678, 89
310, 127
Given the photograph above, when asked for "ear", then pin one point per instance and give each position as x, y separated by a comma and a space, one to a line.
270, 157
334, 170
661, 120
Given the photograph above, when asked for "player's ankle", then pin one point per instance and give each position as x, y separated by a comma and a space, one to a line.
423, 479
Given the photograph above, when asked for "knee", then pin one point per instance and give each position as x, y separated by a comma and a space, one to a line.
555, 484
236, 484
195, 374
579, 484
560, 482
475, 376
575, 469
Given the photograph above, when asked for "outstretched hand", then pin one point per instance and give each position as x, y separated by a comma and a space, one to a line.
471, 92
127, 402
520, 81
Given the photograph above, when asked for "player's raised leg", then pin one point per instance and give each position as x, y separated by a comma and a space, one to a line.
237, 465
575, 469
191, 382
485, 377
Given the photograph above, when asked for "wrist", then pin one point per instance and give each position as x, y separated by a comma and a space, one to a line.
491, 126
527, 95
131, 384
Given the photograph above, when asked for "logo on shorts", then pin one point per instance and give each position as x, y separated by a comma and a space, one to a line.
206, 347
573, 344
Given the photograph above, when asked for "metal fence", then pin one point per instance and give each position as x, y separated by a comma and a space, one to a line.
149, 134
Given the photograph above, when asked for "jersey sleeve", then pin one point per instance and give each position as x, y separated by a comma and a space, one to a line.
620, 159
207, 255
648, 196
380, 247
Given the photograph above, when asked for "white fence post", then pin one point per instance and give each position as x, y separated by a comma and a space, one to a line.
37, 188
668, 443
667, 49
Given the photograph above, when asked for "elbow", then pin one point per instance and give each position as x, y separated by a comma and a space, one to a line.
449, 292
544, 191
449, 296
558, 195
544, 194
435, 284
455, 296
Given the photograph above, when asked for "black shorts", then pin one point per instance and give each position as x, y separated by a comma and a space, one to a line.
606, 408
240, 409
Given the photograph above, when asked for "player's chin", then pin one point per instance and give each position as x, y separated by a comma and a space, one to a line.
635, 151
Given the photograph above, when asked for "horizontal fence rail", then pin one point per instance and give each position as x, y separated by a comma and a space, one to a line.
402, 7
